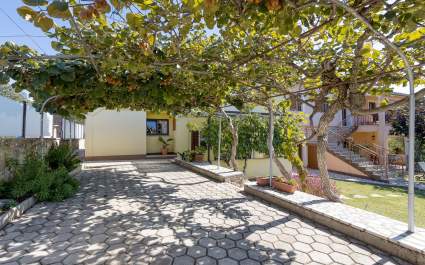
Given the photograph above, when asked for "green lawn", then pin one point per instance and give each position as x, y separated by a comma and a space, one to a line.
393, 207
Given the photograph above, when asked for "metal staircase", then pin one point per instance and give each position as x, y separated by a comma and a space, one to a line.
370, 160
365, 159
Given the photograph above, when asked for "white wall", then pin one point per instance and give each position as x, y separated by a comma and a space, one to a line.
335, 122
11, 113
115, 133
69, 132
10, 118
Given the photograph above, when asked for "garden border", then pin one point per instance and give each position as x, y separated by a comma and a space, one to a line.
16, 211
220, 174
379, 231
21, 208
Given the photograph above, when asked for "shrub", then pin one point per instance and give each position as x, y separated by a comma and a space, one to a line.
62, 155
186, 155
34, 177
314, 185
21, 185
200, 150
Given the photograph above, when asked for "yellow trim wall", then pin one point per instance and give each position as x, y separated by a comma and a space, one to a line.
183, 134
338, 165
152, 141
365, 137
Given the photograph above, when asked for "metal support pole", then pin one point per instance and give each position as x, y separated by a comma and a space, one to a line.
271, 131
409, 71
219, 142
63, 129
411, 189
24, 119
209, 138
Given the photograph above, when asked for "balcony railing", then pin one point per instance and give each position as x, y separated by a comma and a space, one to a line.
366, 119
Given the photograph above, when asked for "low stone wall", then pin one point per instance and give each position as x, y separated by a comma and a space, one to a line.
379, 231
17, 148
16, 212
221, 174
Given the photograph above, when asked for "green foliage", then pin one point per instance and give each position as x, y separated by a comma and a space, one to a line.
34, 177
62, 156
200, 150
396, 145
55, 185
165, 143
189, 155
24, 176
186, 155
9, 204
253, 135
292, 182
400, 126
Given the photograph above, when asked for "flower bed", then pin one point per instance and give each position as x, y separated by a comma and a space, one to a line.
39, 179
313, 184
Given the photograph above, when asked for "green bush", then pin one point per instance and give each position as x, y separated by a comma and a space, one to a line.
62, 155
35, 177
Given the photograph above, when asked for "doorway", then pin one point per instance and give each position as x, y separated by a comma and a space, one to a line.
312, 156
194, 142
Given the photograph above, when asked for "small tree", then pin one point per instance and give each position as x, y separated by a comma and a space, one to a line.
253, 137
400, 124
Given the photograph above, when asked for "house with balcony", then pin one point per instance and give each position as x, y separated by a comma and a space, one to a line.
357, 144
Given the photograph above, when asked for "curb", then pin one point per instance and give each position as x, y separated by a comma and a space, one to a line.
398, 243
16, 211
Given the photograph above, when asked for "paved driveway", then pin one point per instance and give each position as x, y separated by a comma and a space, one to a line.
154, 212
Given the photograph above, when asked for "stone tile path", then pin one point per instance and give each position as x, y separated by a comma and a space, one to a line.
396, 181
154, 212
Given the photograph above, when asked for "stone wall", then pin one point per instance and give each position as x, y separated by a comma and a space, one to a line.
17, 148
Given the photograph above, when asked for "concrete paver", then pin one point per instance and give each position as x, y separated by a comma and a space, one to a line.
155, 212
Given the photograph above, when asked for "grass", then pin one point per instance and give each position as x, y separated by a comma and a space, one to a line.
393, 207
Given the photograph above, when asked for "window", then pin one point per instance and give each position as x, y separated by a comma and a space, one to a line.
296, 104
324, 107
156, 127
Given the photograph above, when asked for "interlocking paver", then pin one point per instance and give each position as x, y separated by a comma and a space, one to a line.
217, 252
154, 212
206, 261
197, 251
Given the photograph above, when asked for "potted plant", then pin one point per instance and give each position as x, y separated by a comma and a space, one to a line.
165, 144
264, 181
186, 155
281, 184
198, 153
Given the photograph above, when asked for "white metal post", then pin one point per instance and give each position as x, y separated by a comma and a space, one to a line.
411, 189
219, 142
271, 131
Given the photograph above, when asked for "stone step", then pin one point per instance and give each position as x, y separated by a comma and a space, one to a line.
367, 166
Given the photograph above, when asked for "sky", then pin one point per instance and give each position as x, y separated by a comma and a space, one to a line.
14, 28
10, 28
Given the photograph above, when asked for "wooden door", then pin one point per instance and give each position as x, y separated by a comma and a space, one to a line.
194, 140
312, 156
